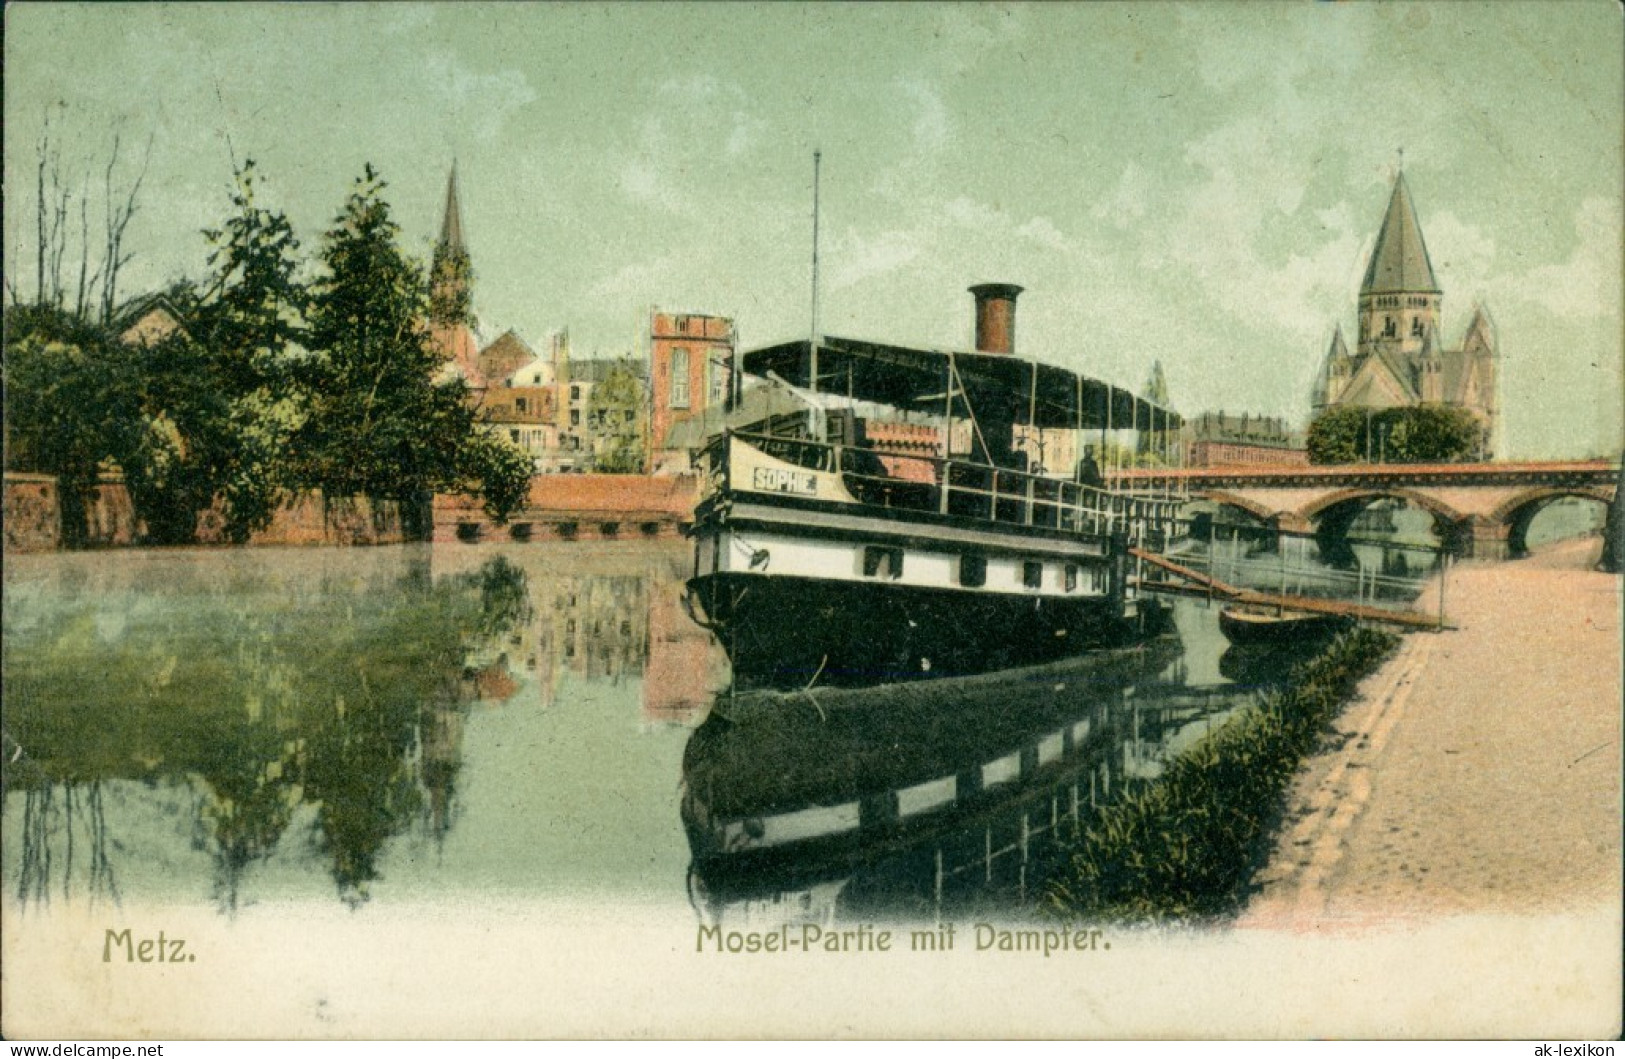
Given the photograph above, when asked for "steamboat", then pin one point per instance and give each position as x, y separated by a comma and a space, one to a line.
920, 512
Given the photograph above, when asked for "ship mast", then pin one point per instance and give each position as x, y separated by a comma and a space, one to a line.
812, 344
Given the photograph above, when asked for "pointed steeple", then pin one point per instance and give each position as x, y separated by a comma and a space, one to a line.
1479, 337
1333, 373
1339, 349
1399, 262
451, 306
451, 227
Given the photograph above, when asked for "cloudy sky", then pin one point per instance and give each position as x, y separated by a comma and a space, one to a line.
1195, 184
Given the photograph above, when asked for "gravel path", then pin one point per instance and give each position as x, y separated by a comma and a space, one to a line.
1479, 770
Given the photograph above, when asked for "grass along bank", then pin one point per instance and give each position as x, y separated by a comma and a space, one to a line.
1185, 845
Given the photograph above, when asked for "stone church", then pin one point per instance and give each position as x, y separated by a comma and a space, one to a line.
1400, 359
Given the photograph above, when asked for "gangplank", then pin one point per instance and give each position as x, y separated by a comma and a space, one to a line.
1194, 582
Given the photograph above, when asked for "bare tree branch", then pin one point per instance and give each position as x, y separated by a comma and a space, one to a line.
117, 220
84, 245
39, 207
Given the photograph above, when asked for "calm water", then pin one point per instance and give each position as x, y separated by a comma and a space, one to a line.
224, 728
1390, 554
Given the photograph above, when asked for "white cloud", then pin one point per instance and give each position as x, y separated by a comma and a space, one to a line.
967, 33
1586, 286
1127, 203
931, 123
1042, 230
864, 257
967, 213
481, 101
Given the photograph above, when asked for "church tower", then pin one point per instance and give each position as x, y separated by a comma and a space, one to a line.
1399, 299
451, 293
1400, 358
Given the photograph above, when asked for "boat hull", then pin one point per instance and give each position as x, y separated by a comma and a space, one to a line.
1248, 628
784, 631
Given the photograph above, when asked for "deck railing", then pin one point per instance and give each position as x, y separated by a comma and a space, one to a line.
968, 489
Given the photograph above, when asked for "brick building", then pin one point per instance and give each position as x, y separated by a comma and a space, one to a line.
690, 358
1214, 439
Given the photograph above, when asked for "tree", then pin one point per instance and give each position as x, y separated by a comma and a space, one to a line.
250, 321
616, 418
217, 400
70, 405
385, 420
1419, 434
1434, 434
96, 295
1338, 435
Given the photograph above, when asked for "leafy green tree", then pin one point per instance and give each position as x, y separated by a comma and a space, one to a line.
385, 420
1421, 434
218, 401
616, 416
250, 319
1338, 435
1433, 434
70, 405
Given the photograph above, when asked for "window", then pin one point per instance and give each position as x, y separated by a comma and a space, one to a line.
575, 417
716, 379
1071, 577
678, 398
1388, 329
575, 391
972, 571
882, 562
1032, 575
1416, 327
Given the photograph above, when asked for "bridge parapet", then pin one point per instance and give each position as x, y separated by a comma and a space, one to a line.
1480, 509
1565, 472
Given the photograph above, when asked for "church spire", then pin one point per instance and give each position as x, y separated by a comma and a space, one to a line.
1399, 261
451, 276
451, 227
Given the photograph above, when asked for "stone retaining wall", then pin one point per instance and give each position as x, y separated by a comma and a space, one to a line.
33, 521
578, 507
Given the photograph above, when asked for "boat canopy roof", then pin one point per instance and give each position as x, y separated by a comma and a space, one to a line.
995, 385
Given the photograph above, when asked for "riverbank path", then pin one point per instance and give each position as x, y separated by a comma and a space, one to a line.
1477, 772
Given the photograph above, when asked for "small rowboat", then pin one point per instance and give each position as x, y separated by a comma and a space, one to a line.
1243, 624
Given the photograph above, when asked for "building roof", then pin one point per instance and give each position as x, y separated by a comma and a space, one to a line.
1022, 392
1244, 429
503, 358
1399, 262
1382, 380
599, 369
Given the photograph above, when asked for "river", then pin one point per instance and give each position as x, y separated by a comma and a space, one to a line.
223, 728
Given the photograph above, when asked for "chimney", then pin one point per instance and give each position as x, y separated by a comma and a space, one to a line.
995, 317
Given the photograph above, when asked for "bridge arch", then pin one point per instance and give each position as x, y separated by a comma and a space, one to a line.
1333, 515
1251, 507
1441, 512
1518, 513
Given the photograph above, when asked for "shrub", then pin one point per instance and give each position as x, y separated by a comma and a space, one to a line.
1185, 845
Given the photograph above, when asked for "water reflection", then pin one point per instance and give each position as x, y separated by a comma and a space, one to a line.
235, 706
382, 724
176, 720
933, 800
1386, 556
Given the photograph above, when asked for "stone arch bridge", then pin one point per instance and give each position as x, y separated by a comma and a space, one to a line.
1480, 510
